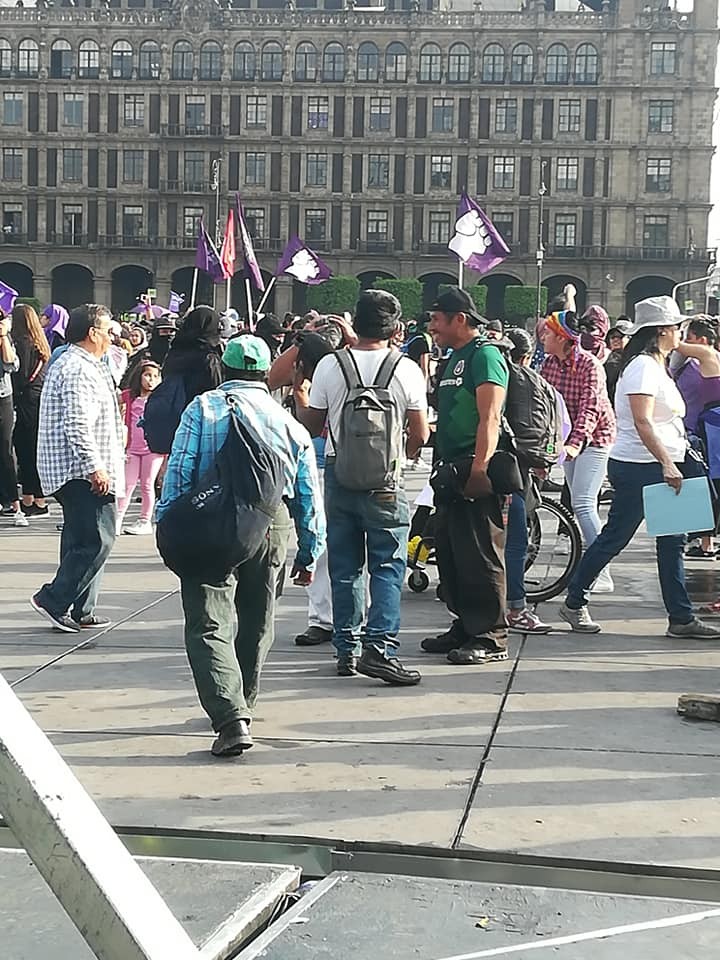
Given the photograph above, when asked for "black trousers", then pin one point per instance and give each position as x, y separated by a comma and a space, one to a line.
25, 440
8, 474
470, 550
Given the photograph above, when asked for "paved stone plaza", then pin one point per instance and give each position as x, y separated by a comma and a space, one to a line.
571, 748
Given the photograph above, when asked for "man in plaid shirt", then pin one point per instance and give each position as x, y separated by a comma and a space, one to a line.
81, 462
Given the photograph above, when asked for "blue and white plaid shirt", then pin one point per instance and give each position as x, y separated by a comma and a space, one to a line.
80, 427
203, 429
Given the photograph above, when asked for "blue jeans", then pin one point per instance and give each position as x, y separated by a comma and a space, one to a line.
362, 525
625, 516
584, 476
516, 544
87, 538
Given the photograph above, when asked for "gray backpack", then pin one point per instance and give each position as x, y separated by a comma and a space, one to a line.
369, 444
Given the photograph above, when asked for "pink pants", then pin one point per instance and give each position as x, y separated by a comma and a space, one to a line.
145, 468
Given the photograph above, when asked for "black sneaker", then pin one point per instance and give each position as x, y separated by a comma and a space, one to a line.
347, 665
34, 510
62, 623
445, 642
477, 650
313, 636
232, 740
374, 664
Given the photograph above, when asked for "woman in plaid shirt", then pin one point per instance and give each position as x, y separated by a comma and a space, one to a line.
580, 378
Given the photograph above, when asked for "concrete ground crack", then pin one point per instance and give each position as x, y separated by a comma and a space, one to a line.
477, 780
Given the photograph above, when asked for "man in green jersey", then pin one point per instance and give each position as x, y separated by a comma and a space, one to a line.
470, 537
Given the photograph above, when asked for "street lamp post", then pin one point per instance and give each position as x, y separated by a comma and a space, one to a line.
215, 186
540, 252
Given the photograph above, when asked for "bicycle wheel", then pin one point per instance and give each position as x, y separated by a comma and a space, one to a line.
554, 550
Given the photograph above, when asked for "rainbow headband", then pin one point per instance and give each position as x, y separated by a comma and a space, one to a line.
557, 322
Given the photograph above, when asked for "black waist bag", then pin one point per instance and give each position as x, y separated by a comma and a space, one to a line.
222, 521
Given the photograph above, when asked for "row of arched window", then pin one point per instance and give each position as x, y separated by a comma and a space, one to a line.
309, 63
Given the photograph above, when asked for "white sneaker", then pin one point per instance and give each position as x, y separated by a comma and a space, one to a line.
20, 520
580, 620
139, 528
562, 547
604, 583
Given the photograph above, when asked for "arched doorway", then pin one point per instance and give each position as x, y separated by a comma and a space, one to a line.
368, 277
182, 282
128, 282
238, 295
496, 284
431, 284
643, 287
299, 298
17, 276
555, 287
72, 284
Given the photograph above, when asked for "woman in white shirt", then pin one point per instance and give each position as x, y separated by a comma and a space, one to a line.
651, 447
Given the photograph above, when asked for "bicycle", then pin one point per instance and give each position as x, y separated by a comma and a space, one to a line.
554, 552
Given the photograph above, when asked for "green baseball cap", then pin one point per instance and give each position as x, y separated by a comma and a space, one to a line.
247, 353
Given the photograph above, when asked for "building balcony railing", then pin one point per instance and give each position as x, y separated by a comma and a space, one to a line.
194, 130
70, 239
185, 186
127, 240
12, 236
647, 252
374, 246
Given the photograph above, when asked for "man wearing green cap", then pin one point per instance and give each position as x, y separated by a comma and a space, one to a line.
226, 662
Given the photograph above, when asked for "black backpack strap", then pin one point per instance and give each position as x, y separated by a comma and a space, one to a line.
348, 366
387, 369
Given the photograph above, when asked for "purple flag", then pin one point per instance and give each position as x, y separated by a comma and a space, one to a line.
247, 247
302, 263
176, 302
476, 241
8, 296
207, 258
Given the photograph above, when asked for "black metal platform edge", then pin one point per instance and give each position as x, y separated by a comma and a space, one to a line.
320, 856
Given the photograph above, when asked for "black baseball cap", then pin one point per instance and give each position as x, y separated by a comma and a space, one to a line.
456, 300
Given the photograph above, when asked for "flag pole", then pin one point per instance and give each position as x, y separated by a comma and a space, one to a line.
461, 271
266, 294
248, 295
194, 288
228, 293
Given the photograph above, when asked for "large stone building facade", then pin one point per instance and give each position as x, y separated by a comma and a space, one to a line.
355, 128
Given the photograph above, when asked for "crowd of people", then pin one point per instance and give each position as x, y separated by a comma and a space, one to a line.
337, 407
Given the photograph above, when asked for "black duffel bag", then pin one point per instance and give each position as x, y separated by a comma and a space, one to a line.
222, 521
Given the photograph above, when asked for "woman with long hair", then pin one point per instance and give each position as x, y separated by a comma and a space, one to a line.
579, 378
651, 448
33, 353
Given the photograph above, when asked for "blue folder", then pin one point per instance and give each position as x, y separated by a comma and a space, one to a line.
668, 513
